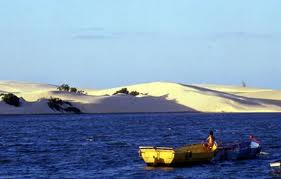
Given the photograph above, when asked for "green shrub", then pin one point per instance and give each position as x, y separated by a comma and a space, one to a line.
64, 87
134, 93
73, 90
11, 99
125, 91
56, 104
122, 91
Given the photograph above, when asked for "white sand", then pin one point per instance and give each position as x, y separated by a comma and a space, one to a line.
160, 97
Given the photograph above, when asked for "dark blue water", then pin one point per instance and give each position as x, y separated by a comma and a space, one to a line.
92, 146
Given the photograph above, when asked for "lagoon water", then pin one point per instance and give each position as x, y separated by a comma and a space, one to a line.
93, 146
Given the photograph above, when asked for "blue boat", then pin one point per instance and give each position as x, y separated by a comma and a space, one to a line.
238, 151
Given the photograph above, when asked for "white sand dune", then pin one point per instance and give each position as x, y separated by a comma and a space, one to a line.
155, 97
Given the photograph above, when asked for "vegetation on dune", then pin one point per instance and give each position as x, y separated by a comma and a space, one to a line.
58, 104
73, 90
134, 93
122, 91
125, 91
11, 99
55, 104
64, 87
67, 88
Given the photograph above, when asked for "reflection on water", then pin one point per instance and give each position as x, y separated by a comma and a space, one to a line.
159, 168
107, 145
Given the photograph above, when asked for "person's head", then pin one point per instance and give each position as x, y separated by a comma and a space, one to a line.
211, 133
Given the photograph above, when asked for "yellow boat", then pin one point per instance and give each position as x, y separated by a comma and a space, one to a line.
186, 155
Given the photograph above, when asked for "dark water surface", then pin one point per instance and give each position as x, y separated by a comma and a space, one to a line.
92, 146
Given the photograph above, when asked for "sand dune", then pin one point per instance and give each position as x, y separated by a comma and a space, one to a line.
155, 97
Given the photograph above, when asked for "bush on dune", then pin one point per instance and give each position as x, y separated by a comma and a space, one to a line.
67, 88
11, 99
73, 90
64, 87
125, 91
56, 101
122, 91
57, 104
134, 93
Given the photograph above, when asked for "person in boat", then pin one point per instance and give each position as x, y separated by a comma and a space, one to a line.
210, 141
253, 139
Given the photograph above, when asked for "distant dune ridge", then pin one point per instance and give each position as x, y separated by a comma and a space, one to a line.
154, 97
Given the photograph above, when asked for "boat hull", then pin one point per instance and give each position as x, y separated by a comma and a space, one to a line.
239, 151
157, 156
187, 155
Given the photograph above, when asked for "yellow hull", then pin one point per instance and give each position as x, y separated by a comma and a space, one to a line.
165, 156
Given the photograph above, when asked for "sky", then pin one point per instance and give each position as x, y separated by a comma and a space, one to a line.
110, 43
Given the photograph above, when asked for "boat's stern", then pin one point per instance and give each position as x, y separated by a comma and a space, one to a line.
156, 156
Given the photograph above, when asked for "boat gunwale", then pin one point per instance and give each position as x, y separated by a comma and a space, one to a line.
151, 147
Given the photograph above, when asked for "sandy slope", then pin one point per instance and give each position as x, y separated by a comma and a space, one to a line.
156, 97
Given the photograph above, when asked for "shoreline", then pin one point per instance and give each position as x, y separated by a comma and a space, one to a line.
138, 113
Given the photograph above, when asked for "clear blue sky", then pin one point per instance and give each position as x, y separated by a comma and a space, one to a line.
107, 43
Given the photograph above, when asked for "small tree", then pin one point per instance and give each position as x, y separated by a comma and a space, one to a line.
64, 87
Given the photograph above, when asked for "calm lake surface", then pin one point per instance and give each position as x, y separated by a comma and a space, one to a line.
93, 146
